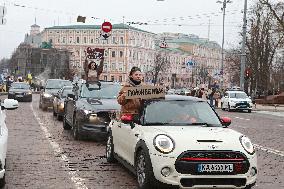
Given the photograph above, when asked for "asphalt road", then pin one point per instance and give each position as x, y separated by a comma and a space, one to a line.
42, 155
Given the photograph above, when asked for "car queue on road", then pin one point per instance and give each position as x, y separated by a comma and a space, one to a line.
177, 141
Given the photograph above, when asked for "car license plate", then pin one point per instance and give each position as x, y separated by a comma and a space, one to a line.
215, 168
19, 96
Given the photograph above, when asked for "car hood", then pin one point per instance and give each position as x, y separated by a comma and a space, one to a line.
240, 99
195, 138
98, 105
51, 91
20, 90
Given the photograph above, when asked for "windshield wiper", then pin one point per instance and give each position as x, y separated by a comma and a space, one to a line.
205, 124
157, 123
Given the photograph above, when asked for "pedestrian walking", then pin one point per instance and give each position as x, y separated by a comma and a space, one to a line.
131, 106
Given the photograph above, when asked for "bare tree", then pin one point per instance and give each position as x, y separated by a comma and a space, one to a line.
276, 10
262, 43
233, 66
160, 67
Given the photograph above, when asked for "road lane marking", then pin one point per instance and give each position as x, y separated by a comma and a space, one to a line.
59, 153
281, 125
270, 150
247, 119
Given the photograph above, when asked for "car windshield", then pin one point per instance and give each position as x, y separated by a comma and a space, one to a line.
20, 86
106, 91
238, 95
180, 113
66, 92
57, 84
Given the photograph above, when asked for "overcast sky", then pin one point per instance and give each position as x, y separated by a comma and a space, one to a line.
183, 16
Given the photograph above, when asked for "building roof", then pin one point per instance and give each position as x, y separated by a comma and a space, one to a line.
114, 26
35, 25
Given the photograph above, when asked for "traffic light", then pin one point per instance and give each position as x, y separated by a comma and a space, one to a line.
247, 74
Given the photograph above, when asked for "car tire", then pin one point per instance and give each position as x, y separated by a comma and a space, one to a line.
75, 129
2, 182
110, 150
66, 126
44, 108
229, 108
249, 111
54, 113
59, 117
222, 106
144, 172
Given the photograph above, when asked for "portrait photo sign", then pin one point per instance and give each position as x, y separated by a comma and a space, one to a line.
145, 92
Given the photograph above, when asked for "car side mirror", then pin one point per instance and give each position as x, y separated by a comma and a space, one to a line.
9, 104
226, 121
71, 96
128, 119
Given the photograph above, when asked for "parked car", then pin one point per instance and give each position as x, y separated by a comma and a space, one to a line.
58, 101
8, 104
88, 112
180, 141
20, 91
236, 100
51, 87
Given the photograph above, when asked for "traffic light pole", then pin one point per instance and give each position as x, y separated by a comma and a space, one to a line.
243, 54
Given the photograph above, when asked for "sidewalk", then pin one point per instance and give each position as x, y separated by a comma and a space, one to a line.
270, 107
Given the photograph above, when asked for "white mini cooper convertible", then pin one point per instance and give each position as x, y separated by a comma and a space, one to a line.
180, 141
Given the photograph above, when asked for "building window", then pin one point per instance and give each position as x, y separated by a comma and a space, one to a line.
121, 40
85, 39
78, 39
112, 78
113, 67
113, 40
92, 40
113, 54
105, 77
120, 54
120, 78
58, 40
50, 40
64, 40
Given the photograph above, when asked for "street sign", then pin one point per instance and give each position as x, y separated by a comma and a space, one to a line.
3, 21
3, 11
106, 27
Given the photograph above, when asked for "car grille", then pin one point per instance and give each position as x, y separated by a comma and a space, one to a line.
190, 182
242, 104
187, 162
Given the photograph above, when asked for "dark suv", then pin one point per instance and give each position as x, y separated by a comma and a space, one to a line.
89, 111
52, 87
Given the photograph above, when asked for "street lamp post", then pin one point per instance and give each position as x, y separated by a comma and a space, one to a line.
223, 37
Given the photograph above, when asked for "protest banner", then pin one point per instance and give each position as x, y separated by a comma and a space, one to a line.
145, 92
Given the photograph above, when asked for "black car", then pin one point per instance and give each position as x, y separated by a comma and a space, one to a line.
89, 111
58, 101
52, 87
20, 91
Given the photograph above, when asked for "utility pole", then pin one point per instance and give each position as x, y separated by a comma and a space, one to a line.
243, 54
223, 38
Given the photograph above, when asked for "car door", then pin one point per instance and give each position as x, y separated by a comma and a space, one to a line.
124, 140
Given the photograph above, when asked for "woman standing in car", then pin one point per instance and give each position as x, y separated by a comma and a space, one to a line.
131, 106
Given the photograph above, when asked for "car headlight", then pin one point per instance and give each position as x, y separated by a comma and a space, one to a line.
46, 95
164, 144
29, 93
10, 92
87, 112
247, 145
61, 105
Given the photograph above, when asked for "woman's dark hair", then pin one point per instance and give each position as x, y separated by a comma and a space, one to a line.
134, 69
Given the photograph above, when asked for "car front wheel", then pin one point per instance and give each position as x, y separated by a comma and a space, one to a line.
110, 150
66, 126
76, 134
144, 172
